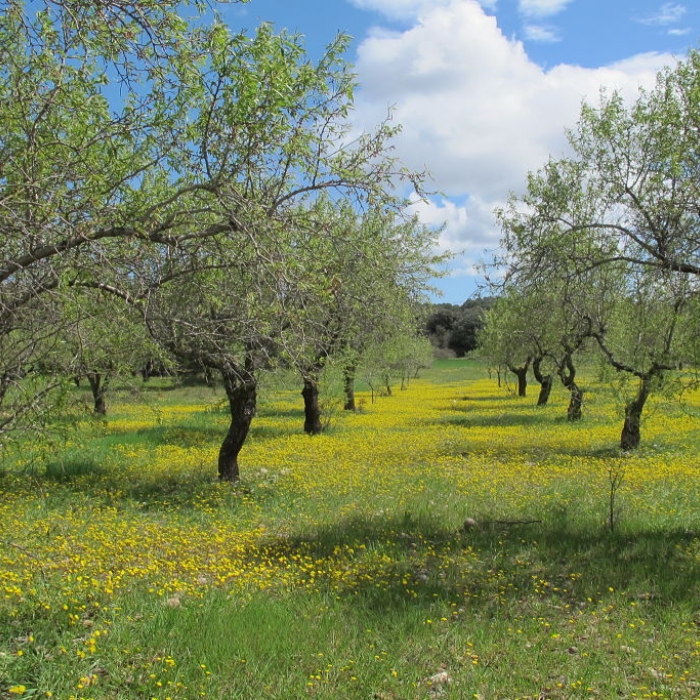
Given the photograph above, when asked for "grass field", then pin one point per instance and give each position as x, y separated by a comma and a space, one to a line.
339, 567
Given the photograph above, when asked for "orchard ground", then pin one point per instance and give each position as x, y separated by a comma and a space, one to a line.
340, 565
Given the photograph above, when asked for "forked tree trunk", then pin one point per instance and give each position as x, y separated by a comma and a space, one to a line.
312, 410
349, 387
631, 433
241, 388
98, 386
521, 374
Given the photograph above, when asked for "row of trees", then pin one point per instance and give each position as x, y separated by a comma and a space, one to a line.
179, 191
602, 253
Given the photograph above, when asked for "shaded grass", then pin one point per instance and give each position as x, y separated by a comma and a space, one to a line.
340, 568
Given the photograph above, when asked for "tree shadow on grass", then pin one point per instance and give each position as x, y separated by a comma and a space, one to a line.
181, 436
499, 565
272, 412
193, 490
210, 435
498, 420
67, 470
492, 398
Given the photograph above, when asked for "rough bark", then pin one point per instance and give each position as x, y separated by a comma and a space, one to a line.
545, 381
574, 411
631, 432
630, 437
312, 410
349, 387
567, 374
521, 374
240, 384
545, 390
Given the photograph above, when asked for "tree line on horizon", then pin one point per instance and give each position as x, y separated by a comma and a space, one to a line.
453, 329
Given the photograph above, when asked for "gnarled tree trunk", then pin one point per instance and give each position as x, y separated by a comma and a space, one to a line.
567, 374
241, 388
631, 428
545, 390
574, 411
521, 374
312, 410
631, 433
545, 381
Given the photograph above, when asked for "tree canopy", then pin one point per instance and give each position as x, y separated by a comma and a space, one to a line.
607, 239
180, 168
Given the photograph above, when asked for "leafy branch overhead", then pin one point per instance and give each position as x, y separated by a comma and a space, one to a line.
179, 167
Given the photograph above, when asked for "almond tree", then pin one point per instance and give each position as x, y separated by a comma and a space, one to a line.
141, 154
623, 207
271, 140
375, 270
82, 166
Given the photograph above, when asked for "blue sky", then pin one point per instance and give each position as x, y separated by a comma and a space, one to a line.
484, 88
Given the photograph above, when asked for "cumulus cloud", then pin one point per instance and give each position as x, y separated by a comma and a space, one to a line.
469, 232
475, 110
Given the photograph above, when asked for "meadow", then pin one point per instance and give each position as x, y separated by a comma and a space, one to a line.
340, 566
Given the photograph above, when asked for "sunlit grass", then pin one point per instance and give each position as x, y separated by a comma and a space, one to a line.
339, 566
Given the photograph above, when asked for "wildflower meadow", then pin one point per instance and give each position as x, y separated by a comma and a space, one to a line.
448, 541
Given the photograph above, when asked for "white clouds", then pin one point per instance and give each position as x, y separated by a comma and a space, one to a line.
668, 13
470, 234
475, 110
411, 9
541, 8
680, 32
400, 9
536, 9
536, 32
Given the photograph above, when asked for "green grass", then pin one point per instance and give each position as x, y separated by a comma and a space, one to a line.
339, 567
